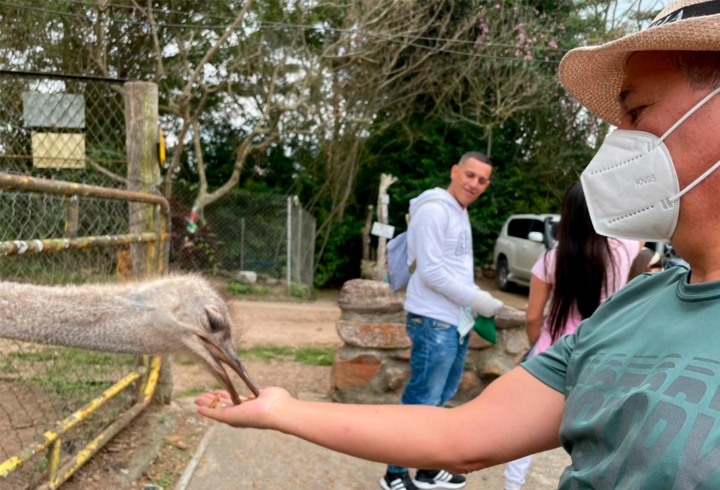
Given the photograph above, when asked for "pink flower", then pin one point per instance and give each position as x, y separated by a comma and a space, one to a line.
553, 44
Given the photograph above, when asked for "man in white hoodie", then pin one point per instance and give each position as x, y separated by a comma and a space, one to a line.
442, 284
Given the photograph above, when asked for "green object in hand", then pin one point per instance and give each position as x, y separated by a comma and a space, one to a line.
485, 328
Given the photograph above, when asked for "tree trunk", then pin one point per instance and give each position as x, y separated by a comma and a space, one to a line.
386, 181
489, 141
366, 234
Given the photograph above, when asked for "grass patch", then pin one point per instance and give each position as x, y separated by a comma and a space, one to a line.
249, 289
310, 356
41, 356
268, 353
40, 465
163, 480
237, 288
69, 373
68, 388
315, 356
78, 357
298, 290
192, 392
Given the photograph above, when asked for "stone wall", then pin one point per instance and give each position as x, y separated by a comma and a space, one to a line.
372, 366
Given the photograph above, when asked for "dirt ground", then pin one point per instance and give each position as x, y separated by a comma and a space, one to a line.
292, 325
313, 323
258, 323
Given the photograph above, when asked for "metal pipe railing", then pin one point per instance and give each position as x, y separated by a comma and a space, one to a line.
147, 377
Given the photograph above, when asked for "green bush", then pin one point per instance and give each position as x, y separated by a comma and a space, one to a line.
298, 290
237, 288
250, 289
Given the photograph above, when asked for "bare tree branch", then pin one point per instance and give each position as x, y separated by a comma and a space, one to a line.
99, 168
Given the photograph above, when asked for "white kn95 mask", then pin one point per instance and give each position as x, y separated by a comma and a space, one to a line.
631, 186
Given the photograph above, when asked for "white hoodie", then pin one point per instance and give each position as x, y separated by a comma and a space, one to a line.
440, 240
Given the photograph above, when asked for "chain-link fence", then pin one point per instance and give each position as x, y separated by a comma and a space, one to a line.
266, 234
302, 245
51, 233
63, 127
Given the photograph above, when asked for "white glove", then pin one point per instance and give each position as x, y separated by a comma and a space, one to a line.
485, 305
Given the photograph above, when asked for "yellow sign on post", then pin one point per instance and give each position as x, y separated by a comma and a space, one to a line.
58, 150
161, 147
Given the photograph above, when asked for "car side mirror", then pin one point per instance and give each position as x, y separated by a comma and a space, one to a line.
536, 236
550, 228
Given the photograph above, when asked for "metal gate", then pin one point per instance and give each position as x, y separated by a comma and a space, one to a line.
64, 403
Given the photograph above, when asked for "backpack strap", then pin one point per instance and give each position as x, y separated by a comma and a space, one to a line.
413, 266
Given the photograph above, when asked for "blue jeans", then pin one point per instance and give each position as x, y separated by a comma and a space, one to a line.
437, 362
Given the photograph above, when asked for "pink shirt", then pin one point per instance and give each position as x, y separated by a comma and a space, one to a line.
624, 252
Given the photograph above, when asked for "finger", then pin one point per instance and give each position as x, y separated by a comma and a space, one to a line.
211, 413
204, 399
221, 414
209, 398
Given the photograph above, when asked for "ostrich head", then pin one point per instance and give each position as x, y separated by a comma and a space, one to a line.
202, 326
212, 342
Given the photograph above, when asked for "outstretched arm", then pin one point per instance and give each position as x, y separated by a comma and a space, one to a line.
515, 416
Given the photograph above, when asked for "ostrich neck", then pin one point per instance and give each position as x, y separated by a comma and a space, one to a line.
106, 318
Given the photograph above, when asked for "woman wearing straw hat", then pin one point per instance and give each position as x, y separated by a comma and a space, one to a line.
633, 394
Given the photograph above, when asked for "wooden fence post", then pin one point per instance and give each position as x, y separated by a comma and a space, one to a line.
141, 126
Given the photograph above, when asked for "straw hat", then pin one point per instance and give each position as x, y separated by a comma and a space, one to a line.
594, 75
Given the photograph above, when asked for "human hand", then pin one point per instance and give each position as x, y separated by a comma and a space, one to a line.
485, 305
255, 413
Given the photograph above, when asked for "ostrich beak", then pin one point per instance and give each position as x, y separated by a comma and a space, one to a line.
220, 355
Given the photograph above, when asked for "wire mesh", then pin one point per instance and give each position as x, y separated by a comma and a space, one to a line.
63, 128
39, 384
246, 231
302, 250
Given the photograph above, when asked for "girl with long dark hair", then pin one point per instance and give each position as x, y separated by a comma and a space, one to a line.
575, 277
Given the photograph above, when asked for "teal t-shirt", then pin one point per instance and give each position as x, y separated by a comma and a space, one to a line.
641, 380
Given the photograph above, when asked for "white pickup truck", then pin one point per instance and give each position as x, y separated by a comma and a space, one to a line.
523, 238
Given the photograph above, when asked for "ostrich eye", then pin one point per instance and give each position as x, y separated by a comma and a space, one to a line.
216, 324
216, 320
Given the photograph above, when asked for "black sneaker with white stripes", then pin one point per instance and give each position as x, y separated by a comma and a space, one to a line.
438, 479
397, 481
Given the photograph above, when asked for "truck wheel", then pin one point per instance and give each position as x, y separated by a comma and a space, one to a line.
502, 275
